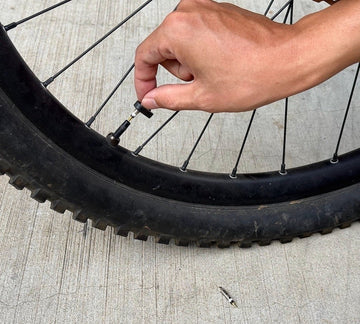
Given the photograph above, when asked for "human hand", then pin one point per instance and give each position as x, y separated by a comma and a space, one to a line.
234, 60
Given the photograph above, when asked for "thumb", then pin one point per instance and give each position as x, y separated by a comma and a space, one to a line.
174, 97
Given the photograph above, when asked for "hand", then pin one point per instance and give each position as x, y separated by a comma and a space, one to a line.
236, 60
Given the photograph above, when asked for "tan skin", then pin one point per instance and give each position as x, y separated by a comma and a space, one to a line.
236, 60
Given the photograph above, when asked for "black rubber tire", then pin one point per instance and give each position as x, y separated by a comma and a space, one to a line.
45, 148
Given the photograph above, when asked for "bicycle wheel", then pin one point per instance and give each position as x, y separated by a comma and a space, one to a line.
59, 158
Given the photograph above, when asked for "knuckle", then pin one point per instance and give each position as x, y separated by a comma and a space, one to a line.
180, 22
184, 4
175, 18
140, 51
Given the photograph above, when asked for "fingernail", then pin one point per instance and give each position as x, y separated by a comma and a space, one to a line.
149, 103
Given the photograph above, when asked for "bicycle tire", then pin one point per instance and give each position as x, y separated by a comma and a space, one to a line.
47, 149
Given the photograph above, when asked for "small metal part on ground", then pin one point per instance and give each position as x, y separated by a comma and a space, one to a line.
228, 297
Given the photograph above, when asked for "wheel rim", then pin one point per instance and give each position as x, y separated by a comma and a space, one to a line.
39, 106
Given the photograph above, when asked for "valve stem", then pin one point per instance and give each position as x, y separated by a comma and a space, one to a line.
114, 138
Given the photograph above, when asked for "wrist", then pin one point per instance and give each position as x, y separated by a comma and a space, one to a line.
328, 41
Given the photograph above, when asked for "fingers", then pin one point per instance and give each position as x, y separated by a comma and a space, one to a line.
166, 46
146, 67
155, 50
174, 97
145, 80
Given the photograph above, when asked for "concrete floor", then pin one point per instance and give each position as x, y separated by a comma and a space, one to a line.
54, 271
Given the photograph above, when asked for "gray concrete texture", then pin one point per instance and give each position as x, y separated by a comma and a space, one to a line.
53, 270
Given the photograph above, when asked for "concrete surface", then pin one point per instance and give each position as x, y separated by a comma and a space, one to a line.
54, 271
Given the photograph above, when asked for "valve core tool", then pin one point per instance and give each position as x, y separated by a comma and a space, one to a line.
114, 138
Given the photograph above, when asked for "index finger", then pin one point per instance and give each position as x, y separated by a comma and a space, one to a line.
150, 53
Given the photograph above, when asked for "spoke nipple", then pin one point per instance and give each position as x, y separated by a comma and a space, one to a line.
233, 175
283, 170
90, 121
334, 159
184, 166
138, 150
112, 140
48, 81
10, 26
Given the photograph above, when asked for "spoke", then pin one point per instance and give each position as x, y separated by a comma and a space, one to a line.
17, 23
269, 7
186, 163
282, 9
335, 157
283, 164
234, 171
289, 6
283, 171
51, 79
93, 118
290, 12
141, 147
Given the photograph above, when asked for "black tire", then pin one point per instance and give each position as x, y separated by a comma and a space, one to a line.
45, 148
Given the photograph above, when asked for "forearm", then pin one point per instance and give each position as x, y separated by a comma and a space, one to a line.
328, 40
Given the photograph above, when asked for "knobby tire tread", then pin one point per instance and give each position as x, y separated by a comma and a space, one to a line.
31, 160
31, 155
